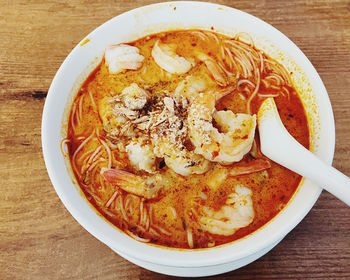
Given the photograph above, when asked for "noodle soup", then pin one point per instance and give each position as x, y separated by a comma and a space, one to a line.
162, 138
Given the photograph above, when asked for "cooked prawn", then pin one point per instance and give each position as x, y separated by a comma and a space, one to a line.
181, 160
112, 123
121, 57
218, 74
115, 112
237, 212
190, 87
141, 156
145, 186
237, 134
134, 97
167, 59
253, 166
168, 136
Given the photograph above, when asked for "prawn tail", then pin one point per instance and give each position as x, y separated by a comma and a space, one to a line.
251, 167
220, 93
119, 177
131, 183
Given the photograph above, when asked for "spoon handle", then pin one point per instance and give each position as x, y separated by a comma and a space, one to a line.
278, 145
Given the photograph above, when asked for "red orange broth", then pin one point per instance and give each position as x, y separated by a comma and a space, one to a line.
269, 195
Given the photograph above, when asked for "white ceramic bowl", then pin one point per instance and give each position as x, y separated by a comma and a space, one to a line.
169, 16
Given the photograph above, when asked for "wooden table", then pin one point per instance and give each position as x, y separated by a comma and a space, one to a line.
39, 239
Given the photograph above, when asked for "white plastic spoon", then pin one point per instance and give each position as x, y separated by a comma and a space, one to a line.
278, 145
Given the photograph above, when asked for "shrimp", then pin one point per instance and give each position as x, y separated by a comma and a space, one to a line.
218, 74
237, 212
179, 159
145, 186
121, 57
236, 134
167, 59
134, 97
216, 176
112, 123
253, 166
115, 112
190, 87
141, 156
168, 136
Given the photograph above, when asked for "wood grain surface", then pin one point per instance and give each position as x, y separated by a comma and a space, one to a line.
39, 239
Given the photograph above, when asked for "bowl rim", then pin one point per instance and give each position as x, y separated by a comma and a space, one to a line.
163, 255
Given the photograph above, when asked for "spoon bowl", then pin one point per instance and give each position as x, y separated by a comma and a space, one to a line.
278, 145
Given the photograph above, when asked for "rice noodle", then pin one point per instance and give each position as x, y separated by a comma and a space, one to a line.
154, 232
278, 79
102, 183
117, 203
144, 70
78, 149
94, 164
94, 170
161, 230
91, 192
146, 218
173, 211
283, 73
261, 63
231, 59
141, 212
211, 244
189, 237
213, 36
222, 67
86, 155
95, 154
222, 51
92, 99
253, 94
265, 83
81, 108
129, 202
275, 87
114, 195
267, 95
150, 213
239, 36
108, 152
64, 146
242, 96
85, 165
244, 63
252, 62
109, 213
141, 228
110, 144
270, 61
200, 34
240, 82
286, 91
138, 238
122, 210
142, 217
72, 117
98, 133
203, 196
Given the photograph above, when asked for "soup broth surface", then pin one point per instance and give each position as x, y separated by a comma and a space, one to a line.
151, 200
